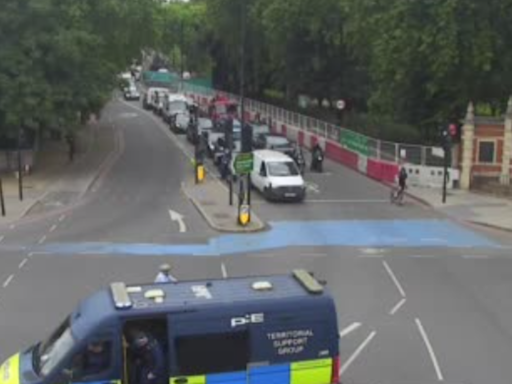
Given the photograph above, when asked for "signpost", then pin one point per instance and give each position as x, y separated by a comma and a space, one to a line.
244, 163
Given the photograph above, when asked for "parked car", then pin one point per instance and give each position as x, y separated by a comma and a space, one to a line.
277, 177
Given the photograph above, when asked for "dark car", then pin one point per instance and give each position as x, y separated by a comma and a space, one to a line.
274, 142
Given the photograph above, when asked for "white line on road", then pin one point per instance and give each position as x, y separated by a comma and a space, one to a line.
351, 328
422, 256
397, 306
393, 277
430, 350
175, 216
2, 238
22, 264
12, 226
344, 201
356, 353
38, 253
8, 281
224, 271
369, 256
42, 239
53, 228
61, 218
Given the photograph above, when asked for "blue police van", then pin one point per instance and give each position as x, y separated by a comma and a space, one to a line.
278, 329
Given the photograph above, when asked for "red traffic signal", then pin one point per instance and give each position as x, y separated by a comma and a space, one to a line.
452, 129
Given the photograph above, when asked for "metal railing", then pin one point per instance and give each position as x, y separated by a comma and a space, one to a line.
375, 148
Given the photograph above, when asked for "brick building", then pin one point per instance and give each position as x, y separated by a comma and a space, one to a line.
486, 149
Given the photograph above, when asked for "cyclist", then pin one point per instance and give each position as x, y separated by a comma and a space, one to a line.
402, 181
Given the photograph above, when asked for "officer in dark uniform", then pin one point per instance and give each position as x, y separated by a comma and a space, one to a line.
95, 360
148, 358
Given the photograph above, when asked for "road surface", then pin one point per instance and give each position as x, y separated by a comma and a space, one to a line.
420, 299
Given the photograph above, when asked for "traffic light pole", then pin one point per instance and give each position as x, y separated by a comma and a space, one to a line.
445, 175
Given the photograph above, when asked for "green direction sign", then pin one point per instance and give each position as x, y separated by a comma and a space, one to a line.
354, 141
244, 163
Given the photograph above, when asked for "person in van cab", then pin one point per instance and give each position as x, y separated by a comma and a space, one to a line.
148, 358
93, 361
165, 276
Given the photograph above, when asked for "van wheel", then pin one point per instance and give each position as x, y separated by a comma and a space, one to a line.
267, 194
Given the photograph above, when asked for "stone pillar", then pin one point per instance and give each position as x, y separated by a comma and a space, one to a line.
468, 134
507, 146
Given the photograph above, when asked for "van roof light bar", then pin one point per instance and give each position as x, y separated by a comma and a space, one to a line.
120, 295
308, 281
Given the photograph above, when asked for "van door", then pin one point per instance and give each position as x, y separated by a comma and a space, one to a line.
261, 176
99, 361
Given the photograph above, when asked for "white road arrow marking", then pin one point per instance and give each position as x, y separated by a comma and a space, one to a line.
175, 216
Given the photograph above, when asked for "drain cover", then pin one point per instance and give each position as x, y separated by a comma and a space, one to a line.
221, 215
207, 202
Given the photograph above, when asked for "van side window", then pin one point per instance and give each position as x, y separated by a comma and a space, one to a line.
198, 355
94, 360
263, 169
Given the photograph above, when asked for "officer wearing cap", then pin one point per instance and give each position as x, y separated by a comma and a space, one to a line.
164, 276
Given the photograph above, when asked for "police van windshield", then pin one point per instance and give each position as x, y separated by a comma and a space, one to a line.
49, 354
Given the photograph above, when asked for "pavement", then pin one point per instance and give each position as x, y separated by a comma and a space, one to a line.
211, 199
467, 206
56, 182
421, 298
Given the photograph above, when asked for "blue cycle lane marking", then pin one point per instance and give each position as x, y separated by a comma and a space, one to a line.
353, 233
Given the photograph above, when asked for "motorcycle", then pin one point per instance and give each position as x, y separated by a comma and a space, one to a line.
317, 161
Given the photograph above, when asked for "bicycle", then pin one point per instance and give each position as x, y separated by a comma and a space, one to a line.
397, 196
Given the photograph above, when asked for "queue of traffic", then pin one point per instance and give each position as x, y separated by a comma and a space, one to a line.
216, 132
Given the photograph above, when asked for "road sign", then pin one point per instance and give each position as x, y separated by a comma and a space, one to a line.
244, 163
340, 104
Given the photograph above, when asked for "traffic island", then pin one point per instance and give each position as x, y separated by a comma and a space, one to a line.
211, 198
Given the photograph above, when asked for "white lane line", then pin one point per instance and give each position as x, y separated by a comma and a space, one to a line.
341, 201
42, 239
22, 264
224, 271
61, 218
12, 226
475, 256
8, 281
423, 256
53, 228
2, 238
38, 253
397, 306
393, 277
357, 352
351, 328
370, 256
430, 349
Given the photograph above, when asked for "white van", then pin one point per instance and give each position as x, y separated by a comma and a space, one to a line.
276, 176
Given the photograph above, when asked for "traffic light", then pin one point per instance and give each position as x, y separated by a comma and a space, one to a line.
247, 138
